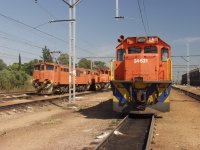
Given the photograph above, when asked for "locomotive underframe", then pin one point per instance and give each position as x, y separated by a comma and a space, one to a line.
48, 87
141, 96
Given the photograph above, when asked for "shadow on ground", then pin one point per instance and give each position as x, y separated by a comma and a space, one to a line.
103, 110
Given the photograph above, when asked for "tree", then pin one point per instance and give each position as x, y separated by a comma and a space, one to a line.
14, 66
99, 64
46, 55
2, 65
20, 63
28, 67
84, 63
10, 79
63, 59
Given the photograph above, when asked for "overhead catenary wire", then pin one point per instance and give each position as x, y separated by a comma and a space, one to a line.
142, 17
31, 27
51, 16
3, 37
14, 49
22, 23
15, 56
95, 57
16, 39
145, 13
186, 55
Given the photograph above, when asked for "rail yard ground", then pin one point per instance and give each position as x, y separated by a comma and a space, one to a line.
53, 126
48, 125
180, 128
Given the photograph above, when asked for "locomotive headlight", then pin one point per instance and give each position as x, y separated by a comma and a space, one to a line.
141, 39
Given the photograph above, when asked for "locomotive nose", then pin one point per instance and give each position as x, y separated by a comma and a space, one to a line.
141, 68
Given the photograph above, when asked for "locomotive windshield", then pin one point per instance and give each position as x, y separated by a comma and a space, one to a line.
134, 50
150, 49
120, 54
37, 67
49, 67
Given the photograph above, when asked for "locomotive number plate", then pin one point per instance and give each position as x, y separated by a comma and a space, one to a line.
140, 60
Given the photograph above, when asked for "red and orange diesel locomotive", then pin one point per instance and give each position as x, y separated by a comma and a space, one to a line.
142, 75
49, 78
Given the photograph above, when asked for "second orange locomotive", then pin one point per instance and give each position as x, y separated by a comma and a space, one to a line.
51, 78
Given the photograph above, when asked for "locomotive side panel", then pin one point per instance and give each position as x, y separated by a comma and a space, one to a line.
119, 70
64, 75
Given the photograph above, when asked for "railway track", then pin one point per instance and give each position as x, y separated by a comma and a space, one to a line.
189, 93
133, 132
16, 101
9, 97
14, 93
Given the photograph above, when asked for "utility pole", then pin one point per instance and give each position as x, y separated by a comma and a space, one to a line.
188, 64
72, 51
117, 11
178, 78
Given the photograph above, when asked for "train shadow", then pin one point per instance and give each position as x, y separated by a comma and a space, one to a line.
103, 110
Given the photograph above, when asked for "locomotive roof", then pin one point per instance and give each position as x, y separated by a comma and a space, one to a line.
149, 40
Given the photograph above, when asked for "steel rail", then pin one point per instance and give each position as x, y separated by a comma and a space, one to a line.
20, 92
11, 97
105, 140
130, 133
191, 94
150, 135
10, 104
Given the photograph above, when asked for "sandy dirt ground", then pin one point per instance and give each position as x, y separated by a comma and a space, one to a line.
56, 127
180, 128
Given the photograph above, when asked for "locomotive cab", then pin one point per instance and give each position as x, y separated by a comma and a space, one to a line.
146, 61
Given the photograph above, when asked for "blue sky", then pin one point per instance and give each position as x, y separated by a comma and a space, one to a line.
175, 21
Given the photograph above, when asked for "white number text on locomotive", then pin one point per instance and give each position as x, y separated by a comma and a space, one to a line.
142, 60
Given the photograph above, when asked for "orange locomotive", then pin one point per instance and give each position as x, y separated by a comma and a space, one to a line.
49, 78
142, 75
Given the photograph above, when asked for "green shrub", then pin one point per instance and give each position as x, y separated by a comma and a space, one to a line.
10, 79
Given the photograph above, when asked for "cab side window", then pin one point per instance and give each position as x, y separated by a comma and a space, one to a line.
66, 70
164, 54
120, 54
78, 73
